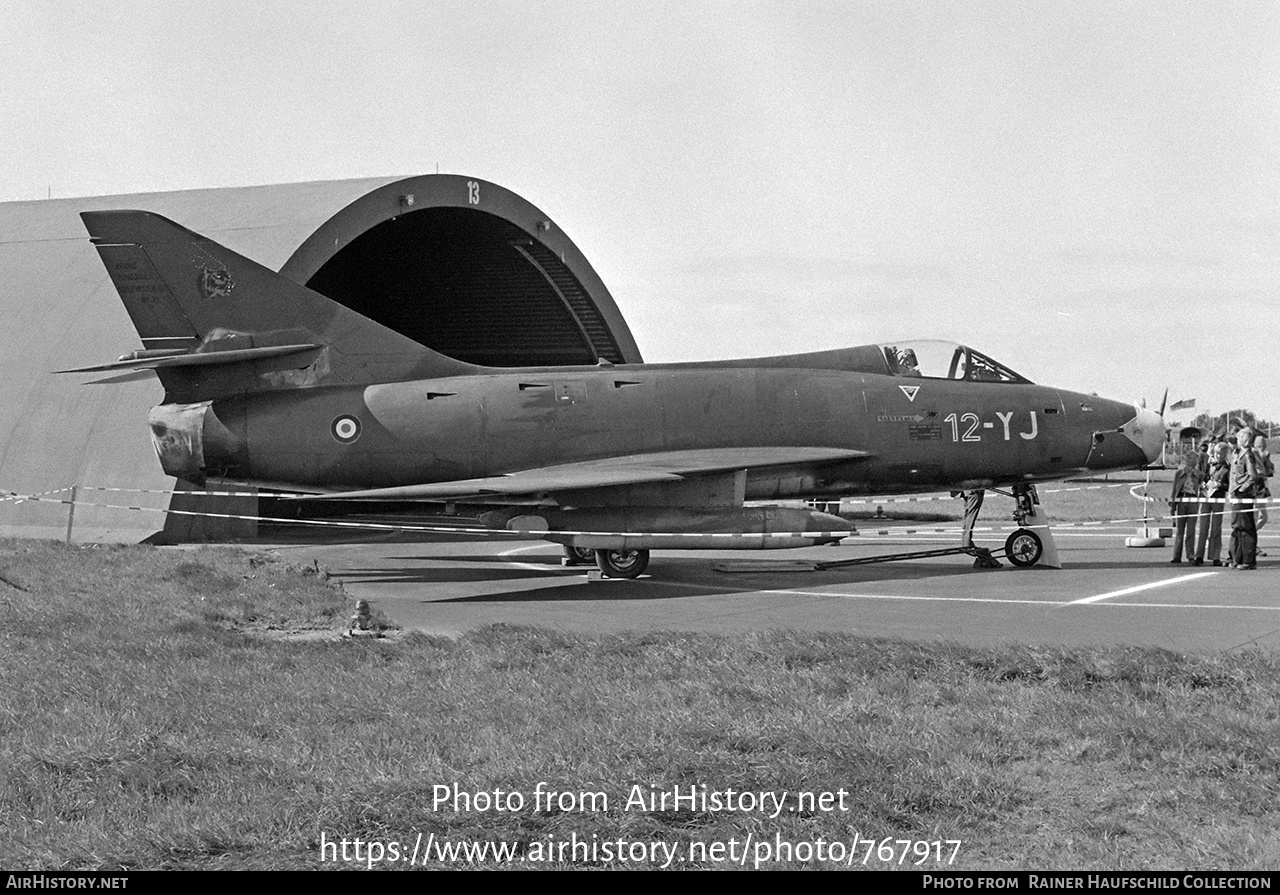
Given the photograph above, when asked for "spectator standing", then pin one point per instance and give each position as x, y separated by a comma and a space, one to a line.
1245, 478
1185, 503
1215, 506
1267, 468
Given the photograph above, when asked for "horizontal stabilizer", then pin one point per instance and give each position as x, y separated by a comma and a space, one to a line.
131, 376
634, 469
195, 359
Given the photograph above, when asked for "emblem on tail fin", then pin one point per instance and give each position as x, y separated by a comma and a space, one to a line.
215, 283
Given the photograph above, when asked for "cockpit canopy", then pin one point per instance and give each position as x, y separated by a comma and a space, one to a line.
934, 359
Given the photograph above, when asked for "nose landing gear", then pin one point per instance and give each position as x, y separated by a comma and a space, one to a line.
1025, 547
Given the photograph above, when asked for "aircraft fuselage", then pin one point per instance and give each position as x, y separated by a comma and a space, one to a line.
921, 434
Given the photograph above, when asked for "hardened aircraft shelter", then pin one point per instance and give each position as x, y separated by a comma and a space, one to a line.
459, 264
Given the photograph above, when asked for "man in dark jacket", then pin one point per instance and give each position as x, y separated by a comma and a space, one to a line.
1185, 503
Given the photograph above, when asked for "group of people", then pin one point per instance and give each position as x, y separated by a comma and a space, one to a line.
1216, 478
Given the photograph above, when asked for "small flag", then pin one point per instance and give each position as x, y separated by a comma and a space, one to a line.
1184, 405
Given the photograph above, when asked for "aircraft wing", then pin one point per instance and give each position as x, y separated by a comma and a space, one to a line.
634, 469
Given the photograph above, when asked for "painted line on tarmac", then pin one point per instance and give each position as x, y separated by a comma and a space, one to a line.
729, 589
543, 567
1191, 606
1133, 590
1046, 603
837, 594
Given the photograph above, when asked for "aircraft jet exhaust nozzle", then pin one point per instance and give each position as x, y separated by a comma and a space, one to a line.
177, 434
188, 438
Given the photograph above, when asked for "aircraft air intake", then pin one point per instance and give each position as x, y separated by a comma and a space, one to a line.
1146, 430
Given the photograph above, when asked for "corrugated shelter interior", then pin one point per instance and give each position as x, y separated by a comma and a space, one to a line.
462, 265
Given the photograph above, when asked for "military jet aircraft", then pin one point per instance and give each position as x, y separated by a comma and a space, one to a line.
269, 382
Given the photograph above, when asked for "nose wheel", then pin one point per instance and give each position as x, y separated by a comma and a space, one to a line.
1024, 547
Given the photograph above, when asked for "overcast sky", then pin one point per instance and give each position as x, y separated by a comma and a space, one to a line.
1087, 191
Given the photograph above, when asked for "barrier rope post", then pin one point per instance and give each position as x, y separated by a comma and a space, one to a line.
1147, 537
71, 513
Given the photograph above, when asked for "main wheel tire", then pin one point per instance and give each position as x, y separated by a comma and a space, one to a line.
1024, 547
622, 563
579, 556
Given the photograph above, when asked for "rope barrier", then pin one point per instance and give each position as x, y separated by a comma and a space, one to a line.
44, 497
258, 493
20, 498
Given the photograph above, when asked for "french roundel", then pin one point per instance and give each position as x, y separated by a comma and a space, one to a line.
345, 429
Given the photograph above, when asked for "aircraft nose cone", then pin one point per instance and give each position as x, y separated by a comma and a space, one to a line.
1146, 430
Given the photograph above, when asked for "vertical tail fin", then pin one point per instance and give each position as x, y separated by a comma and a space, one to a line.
187, 296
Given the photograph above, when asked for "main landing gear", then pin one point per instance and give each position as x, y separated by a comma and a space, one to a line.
622, 563
612, 563
578, 556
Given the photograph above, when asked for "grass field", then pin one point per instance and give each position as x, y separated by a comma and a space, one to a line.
195, 709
